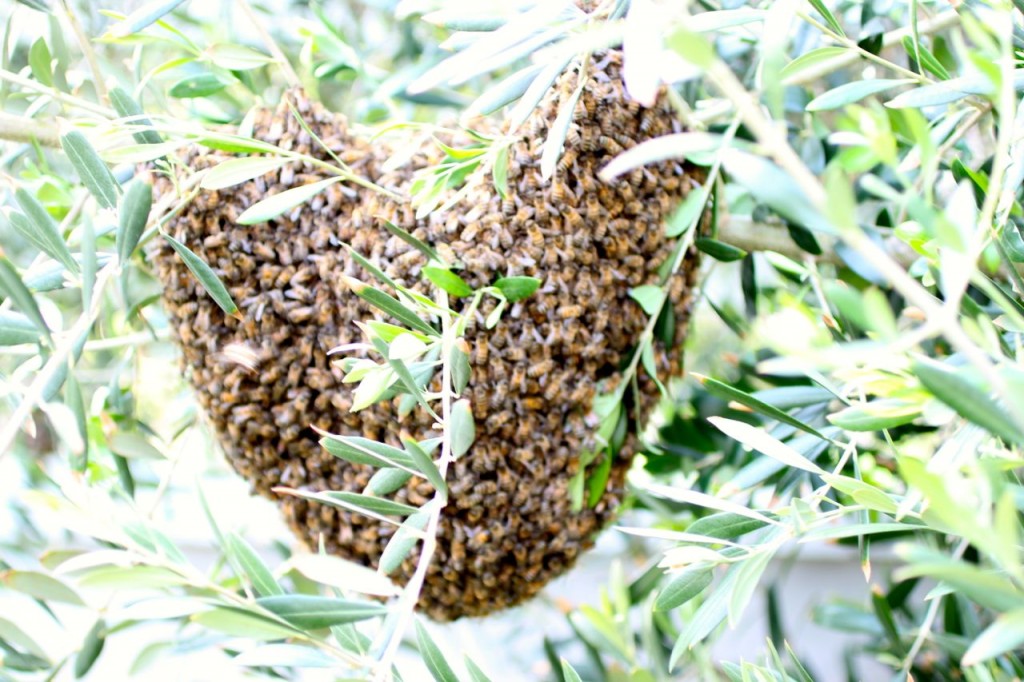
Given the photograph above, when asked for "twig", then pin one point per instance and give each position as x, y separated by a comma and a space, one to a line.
934, 25
90, 54
57, 95
24, 129
268, 40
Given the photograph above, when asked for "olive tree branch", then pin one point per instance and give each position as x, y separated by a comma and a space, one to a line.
411, 594
772, 136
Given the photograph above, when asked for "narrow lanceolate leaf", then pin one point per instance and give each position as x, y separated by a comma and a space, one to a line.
387, 481
463, 430
517, 288
132, 218
390, 305
239, 623
830, 18
425, 465
40, 229
366, 451
848, 93
236, 57
126, 107
721, 251
556, 135
16, 328
759, 439
40, 586
206, 276
682, 588
245, 559
725, 526
272, 207
448, 281
1005, 634
403, 541
461, 370
236, 171
569, 673
90, 168
499, 173
432, 656
969, 401
722, 390
412, 241
92, 646
144, 16
475, 673
310, 612
13, 288
377, 505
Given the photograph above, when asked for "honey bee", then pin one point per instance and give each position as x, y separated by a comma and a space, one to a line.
610, 145
518, 380
570, 311
574, 219
540, 368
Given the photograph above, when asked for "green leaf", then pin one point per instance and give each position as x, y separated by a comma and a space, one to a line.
239, 623
886, 413
309, 612
809, 60
649, 296
725, 525
403, 541
760, 440
463, 429
682, 588
597, 479
41, 63
848, 93
12, 633
92, 646
722, 390
275, 205
1005, 634
412, 241
447, 280
569, 673
12, 286
357, 502
390, 305
425, 465
475, 673
16, 328
499, 173
41, 229
40, 586
720, 251
517, 288
199, 85
461, 370
388, 480
236, 57
142, 17
132, 218
236, 171
91, 169
826, 13
366, 451
433, 658
206, 276
127, 107
248, 563
969, 401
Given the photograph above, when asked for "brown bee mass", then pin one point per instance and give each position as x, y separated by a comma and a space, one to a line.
266, 380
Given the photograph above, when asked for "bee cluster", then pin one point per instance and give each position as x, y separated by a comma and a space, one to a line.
509, 526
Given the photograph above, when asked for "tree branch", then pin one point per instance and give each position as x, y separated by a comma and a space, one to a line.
24, 129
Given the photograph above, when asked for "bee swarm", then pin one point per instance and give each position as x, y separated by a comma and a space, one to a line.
509, 526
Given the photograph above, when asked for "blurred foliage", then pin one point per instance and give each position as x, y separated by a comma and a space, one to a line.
857, 375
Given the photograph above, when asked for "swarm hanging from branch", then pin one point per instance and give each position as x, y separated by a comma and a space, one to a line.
509, 526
